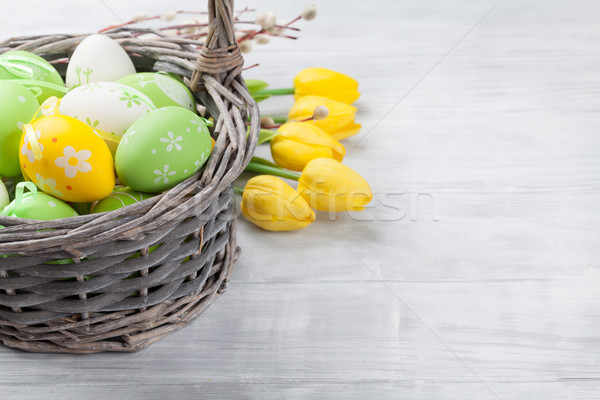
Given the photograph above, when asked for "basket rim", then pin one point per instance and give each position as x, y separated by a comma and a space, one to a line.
231, 153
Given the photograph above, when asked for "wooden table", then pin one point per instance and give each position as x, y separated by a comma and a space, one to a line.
474, 274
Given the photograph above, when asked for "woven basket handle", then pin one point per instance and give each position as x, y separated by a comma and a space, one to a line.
218, 75
220, 53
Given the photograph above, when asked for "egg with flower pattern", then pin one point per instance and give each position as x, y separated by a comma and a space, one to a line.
107, 106
162, 149
66, 159
161, 89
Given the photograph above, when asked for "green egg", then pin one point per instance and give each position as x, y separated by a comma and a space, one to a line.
162, 149
120, 198
17, 106
36, 205
32, 71
4, 199
162, 89
81, 208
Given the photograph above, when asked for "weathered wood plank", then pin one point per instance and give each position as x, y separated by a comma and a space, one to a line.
498, 298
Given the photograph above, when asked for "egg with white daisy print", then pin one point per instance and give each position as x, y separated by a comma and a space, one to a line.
66, 159
162, 149
107, 106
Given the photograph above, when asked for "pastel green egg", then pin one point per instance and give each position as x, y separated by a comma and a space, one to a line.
162, 89
32, 71
35, 204
4, 199
17, 106
162, 148
120, 198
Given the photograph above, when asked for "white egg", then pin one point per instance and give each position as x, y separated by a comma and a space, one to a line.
98, 58
107, 106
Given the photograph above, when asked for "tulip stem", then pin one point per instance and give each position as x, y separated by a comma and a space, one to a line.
238, 190
274, 92
270, 170
280, 120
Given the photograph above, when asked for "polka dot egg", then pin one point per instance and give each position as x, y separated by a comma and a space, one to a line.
17, 106
66, 159
33, 204
162, 148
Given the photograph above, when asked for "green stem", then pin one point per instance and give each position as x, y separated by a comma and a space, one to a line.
269, 170
274, 92
276, 119
238, 190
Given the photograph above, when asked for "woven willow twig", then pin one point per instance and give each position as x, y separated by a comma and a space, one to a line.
109, 290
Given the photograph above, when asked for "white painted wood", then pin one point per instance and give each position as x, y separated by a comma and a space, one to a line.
491, 293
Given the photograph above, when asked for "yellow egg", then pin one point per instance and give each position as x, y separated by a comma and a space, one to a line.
66, 159
50, 107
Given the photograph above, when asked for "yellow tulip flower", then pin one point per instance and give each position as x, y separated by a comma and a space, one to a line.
326, 83
339, 122
300, 142
272, 204
328, 185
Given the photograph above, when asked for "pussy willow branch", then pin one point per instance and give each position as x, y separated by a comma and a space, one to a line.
199, 30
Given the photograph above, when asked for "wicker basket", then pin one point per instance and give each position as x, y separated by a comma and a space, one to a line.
89, 306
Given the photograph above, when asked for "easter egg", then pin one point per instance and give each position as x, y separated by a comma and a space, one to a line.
162, 148
108, 106
161, 89
98, 58
32, 71
50, 107
65, 158
119, 198
36, 205
17, 106
4, 199
81, 208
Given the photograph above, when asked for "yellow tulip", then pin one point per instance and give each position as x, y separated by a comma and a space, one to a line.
328, 185
272, 204
339, 122
299, 142
326, 83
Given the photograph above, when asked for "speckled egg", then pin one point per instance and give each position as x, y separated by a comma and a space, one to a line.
17, 107
162, 148
161, 89
36, 205
108, 106
98, 58
66, 159
119, 198
32, 71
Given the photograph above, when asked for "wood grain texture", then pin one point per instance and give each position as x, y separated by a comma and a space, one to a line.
496, 122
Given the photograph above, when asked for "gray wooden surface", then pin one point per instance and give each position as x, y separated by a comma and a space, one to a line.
476, 272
